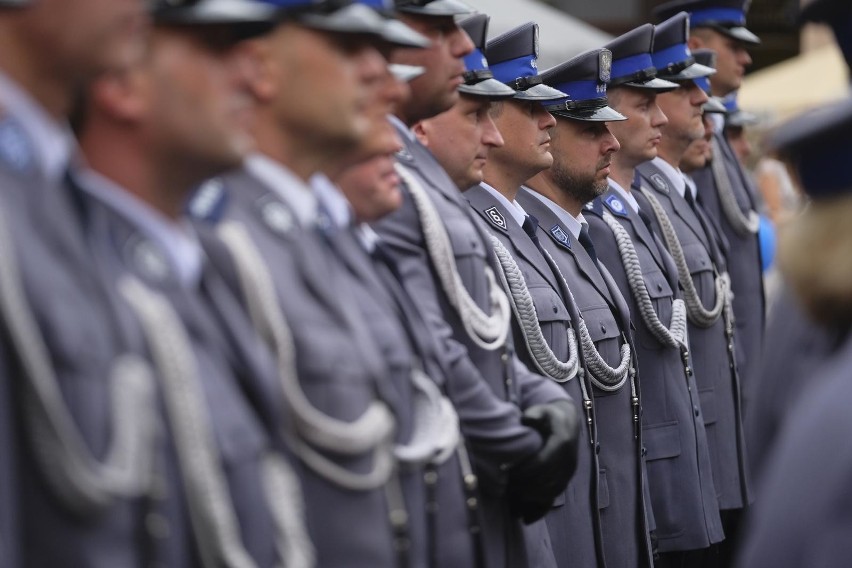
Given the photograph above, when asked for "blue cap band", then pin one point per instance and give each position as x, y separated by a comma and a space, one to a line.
475, 61
376, 4
704, 83
580, 91
512, 69
629, 65
717, 15
677, 53
731, 104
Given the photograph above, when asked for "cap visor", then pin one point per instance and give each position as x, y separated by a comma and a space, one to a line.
714, 105
216, 12
654, 84
740, 33
350, 19
399, 34
540, 92
490, 88
741, 118
405, 73
439, 8
602, 114
694, 71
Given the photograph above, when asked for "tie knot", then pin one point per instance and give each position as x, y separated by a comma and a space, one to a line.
530, 226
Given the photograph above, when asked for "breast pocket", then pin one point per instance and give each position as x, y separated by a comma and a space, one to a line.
553, 318
469, 253
701, 270
605, 333
661, 298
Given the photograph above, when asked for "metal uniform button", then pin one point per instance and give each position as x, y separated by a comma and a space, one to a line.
697, 411
603, 328
644, 451
555, 309
597, 448
659, 287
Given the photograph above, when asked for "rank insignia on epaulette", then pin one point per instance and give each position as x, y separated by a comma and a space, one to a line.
560, 236
209, 202
615, 205
493, 214
16, 150
660, 182
276, 215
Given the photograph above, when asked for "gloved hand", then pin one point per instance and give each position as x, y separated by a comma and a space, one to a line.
536, 482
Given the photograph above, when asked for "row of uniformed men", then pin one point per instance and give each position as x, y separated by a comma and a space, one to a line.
268, 380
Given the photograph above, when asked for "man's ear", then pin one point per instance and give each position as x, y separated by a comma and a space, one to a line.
264, 74
694, 42
121, 95
422, 130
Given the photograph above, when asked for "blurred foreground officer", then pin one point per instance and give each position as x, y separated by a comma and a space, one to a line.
680, 478
698, 252
801, 515
69, 482
582, 147
437, 476
724, 187
187, 101
548, 332
321, 68
446, 263
796, 345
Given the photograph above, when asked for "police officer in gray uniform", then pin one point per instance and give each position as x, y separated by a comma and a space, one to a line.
680, 478
261, 228
451, 276
800, 516
698, 251
795, 344
581, 147
80, 401
546, 321
219, 383
724, 187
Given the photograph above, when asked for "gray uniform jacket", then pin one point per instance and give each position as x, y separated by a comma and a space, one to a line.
498, 439
574, 521
621, 485
236, 373
796, 348
440, 531
680, 477
801, 513
744, 262
712, 352
87, 334
338, 365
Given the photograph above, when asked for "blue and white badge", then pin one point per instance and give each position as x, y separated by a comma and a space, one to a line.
560, 236
660, 182
209, 202
493, 214
615, 205
16, 150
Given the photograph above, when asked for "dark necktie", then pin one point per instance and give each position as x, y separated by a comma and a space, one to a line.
709, 232
530, 226
586, 241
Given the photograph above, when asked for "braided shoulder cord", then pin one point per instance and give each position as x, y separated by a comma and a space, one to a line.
371, 432
695, 310
524, 308
213, 517
487, 331
676, 335
601, 374
78, 479
730, 206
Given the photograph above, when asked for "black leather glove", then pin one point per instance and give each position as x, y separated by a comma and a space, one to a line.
536, 482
